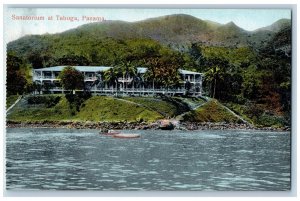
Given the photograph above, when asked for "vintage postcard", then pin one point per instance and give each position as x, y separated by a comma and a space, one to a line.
140, 99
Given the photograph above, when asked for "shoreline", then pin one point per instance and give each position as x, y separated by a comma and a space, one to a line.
188, 126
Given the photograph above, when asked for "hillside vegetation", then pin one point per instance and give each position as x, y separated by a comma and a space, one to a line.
10, 100
96, 108
212, 111
110, 109
240, 67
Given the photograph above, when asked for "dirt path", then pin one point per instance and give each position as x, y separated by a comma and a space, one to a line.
195, 107
8, 109
236, 115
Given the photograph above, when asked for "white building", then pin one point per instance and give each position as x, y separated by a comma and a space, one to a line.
94, 82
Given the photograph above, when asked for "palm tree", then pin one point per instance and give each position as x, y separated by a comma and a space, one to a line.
97, 82
149, 77
127, 70
110, 76
213, 76
139, 79
216, 73
99, 78
133, 72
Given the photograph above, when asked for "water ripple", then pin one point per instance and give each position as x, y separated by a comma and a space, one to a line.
66, 159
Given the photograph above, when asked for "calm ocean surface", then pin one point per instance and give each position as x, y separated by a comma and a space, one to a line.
208, 160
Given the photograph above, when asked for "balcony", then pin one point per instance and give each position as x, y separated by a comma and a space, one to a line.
125, 79
90, 78
46, 77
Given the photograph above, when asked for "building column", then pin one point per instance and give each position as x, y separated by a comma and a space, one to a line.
183, 87
201, 85
194, 85
42, 84
153, 86
51, 90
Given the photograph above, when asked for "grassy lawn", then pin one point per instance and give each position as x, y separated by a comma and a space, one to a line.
26, 112
104, 108
191, 101
210, 112
110, 109
240, 110
155, 104
97, 108
11, 100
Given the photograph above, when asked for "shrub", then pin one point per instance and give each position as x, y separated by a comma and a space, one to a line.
271, 120
76, 100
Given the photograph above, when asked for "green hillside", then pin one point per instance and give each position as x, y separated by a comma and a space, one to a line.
111, 110
10, 100
240, 67
178, 31
167, 107
96, 109
277, 26
212, 111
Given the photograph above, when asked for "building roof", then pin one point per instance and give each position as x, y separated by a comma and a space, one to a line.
101, 69
80, 68
188, 72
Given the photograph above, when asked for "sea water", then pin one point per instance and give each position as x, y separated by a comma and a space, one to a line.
205, 160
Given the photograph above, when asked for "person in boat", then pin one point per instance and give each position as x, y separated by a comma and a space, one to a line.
110, 132
113, 132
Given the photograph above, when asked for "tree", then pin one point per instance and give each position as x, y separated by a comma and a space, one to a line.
36, 86
195, 52
216, 73
15, 80
138, 80
111, 77
47, 86
252, 80
275, 59
14, 62
74, 60
128, 70
163, 69
98, 82
36, 59
71, 79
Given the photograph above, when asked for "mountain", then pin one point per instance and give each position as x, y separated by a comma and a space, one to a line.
281, 43
178, 31
167, 29
276, 26
170, 30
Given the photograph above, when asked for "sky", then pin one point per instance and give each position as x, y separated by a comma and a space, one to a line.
248, 19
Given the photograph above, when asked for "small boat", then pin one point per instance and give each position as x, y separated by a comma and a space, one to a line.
109, 132
126, 135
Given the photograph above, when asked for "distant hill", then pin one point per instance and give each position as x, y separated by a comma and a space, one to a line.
176, 31
276, 26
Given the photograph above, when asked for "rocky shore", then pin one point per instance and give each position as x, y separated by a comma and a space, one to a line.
227, 126
137, 125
